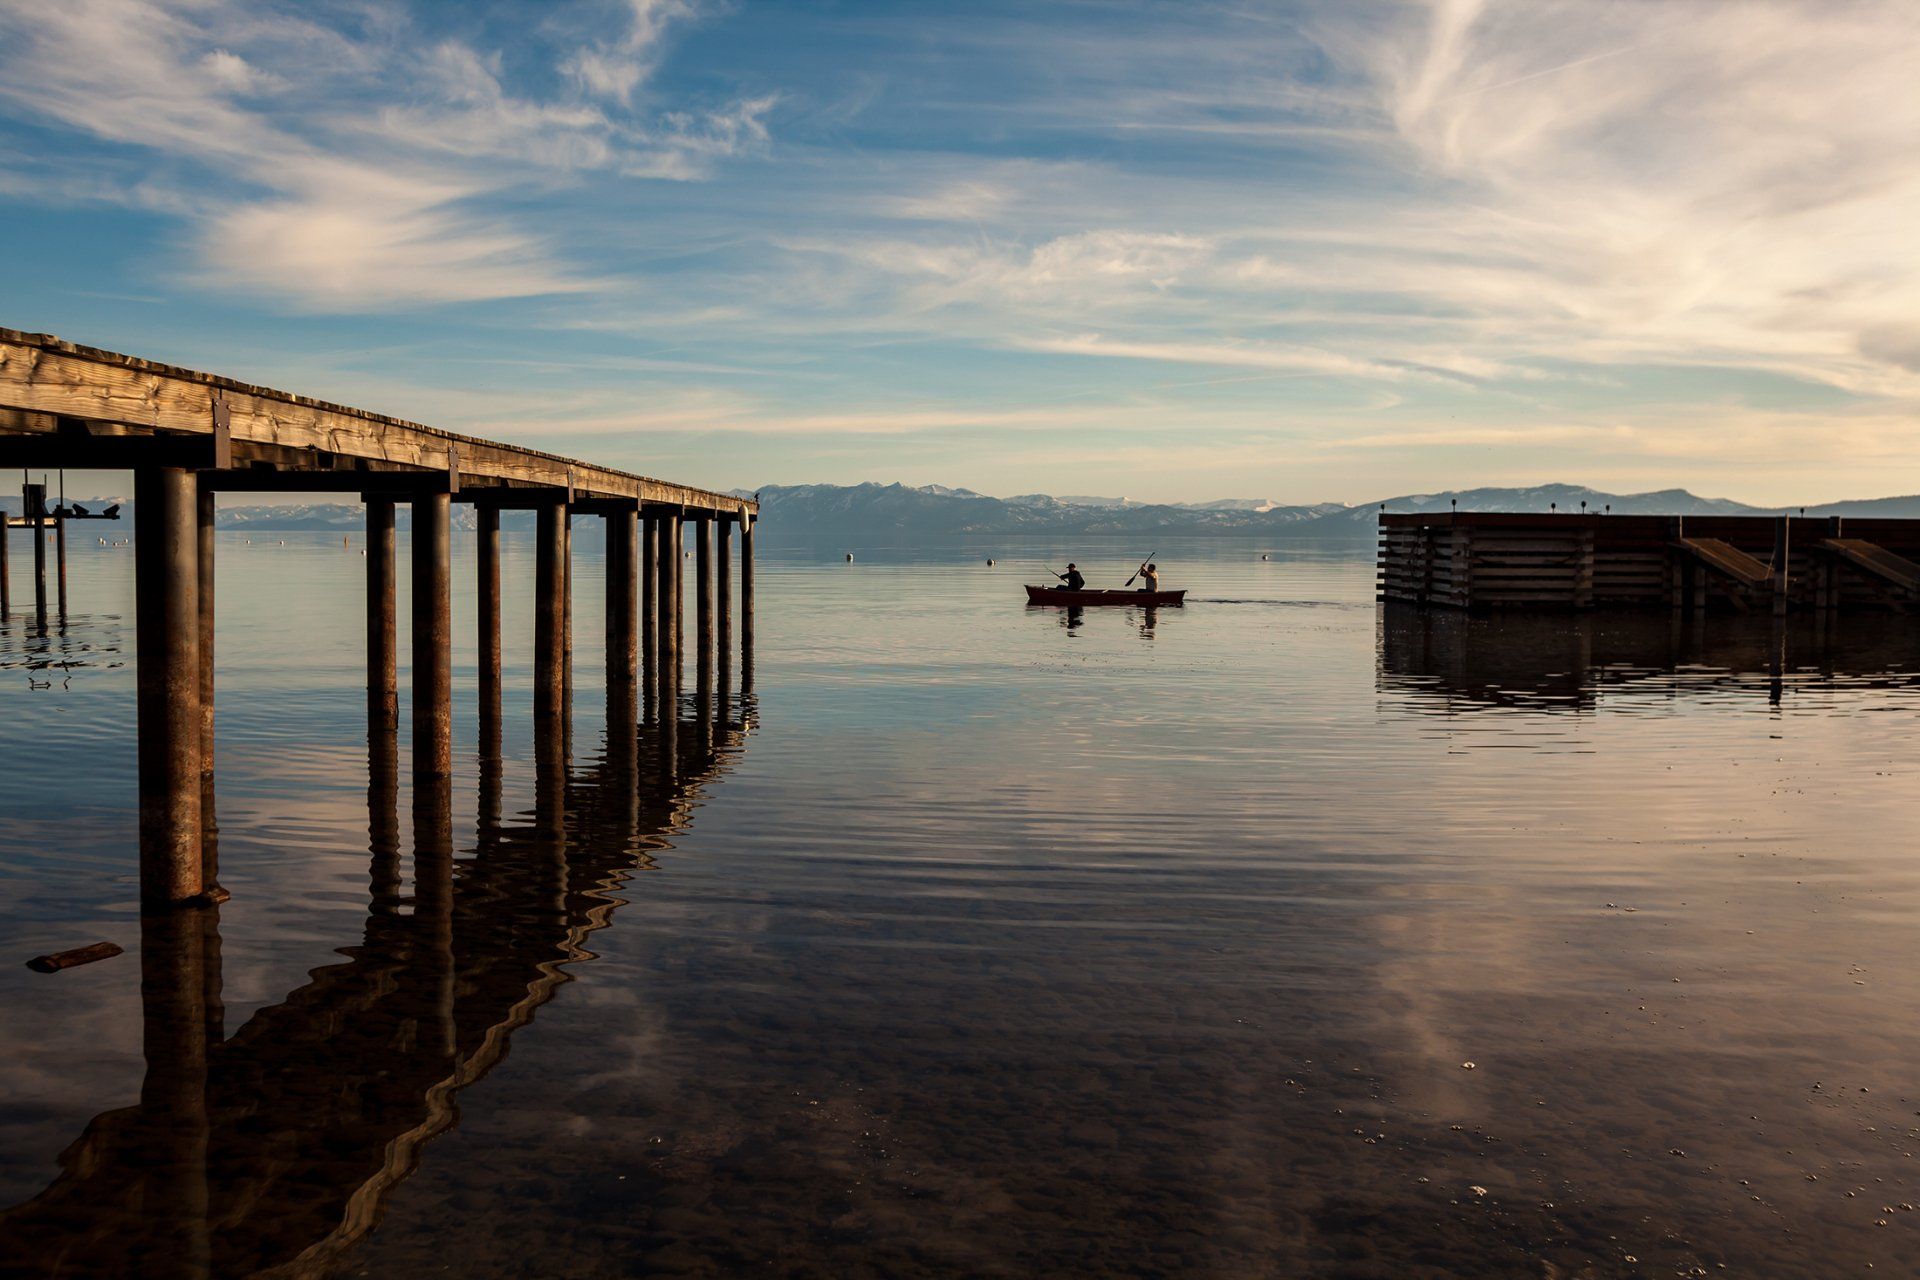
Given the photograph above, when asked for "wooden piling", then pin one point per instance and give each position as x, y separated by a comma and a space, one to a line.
432, 637
167, 629
204, 510
383, 682
60, 561
669, 614
1782, 551
549, 614
34, 503
6, 566
723, 597
622, 528
703, 603
746, 595
650, 611
487, 608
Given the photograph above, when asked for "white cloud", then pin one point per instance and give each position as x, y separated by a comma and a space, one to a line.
331, 173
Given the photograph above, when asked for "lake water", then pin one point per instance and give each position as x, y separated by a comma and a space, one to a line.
1275, 935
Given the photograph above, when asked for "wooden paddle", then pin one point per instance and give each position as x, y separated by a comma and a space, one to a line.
1142, 568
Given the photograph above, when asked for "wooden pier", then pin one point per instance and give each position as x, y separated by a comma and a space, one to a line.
188, 436
1689, 564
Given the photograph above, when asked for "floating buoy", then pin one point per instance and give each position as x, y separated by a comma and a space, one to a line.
1264, 556
849, 557
990, 562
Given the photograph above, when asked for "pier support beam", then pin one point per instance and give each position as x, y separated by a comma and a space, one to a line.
746, 589
432, 637
550, 614
1782, 552
487, 608
204, 509
622, 613
649, 611
167, 627
703, 604
34, 503
723, 596
60, 563
669, 641
383, 684
6, 567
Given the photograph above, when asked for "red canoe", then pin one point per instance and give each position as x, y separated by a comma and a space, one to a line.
1060, 595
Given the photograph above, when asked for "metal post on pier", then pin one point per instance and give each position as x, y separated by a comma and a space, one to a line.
487, 608
432, 636
383, 684
550, 614
167, 630
703, 603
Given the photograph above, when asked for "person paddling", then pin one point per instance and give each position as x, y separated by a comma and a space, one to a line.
1149, 577
1075, 580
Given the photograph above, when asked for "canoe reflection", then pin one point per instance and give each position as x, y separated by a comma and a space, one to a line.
271, 1151
1445, 660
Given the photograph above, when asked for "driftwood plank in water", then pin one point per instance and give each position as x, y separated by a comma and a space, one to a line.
58, 960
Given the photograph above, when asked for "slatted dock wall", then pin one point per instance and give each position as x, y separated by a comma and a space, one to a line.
1500, 560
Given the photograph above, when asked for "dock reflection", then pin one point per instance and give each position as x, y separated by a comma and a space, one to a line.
1447, 660
272, 1150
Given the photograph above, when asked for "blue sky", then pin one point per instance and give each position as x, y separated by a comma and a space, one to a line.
1176, 251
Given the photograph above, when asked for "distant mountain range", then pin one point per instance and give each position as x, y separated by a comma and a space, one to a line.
934, 509
900, 510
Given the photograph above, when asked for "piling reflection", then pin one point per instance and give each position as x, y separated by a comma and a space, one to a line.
1444, 660
273, 1149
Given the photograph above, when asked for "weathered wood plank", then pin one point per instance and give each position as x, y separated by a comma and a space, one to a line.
42, 375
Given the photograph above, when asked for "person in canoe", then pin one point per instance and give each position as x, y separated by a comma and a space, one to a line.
1149, 577
1075, 580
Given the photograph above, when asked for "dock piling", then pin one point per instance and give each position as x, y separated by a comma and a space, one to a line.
622, 528
549, 613
167, 630
383, 683
487, 607
432, 637
703, 603
746, 592
34, 504
649, 555
723, 595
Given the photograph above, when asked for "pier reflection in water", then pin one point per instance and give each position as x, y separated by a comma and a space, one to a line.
1449, 661
270, 1149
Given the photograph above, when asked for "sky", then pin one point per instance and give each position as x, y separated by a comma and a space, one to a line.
1176, 251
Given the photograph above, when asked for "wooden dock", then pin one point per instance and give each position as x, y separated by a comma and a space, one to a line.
188, 436
1744, 564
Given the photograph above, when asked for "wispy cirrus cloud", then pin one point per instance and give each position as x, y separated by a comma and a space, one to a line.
335, 169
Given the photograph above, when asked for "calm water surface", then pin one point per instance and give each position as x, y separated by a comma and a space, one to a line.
1277, 935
